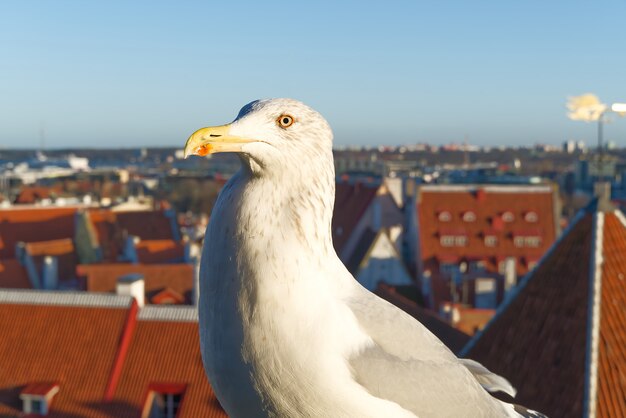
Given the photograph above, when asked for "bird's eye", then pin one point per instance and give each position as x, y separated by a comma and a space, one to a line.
285, 121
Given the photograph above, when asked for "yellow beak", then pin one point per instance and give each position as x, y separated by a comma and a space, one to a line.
212, 140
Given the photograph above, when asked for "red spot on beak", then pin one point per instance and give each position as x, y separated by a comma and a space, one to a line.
203, 150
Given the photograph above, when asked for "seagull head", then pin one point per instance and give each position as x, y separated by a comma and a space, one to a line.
269, 135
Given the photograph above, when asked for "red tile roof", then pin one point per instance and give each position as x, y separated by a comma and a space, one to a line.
156, 356
62, 249
33, 194
39, 388
157, 277
488, 203
611, 379
147, 225
13, 275
74, 346
102, 353
555, 346
32, 225
160, 251
351, 202
167, 296
109, 233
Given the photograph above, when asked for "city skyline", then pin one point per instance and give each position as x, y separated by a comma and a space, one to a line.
147, 74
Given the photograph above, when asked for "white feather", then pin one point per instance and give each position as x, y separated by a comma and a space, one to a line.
285, 330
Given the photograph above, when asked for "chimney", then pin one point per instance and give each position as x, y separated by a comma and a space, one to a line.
132, 285
602, 191
130, 249
510, 274
196, 280
50, 273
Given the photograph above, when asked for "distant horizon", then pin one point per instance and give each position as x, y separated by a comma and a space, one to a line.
150, 73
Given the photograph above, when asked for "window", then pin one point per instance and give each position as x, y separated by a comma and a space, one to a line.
531, 217
477, 265
469, 216
165, 405
518, 241
491, 240
37, 406
508, 216
485, 293
444, 216
163, 400
447, 241
460, 241
448, 268
532, 241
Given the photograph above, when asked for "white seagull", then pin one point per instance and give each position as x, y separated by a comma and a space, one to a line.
285, 329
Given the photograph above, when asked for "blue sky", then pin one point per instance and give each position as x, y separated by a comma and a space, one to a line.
148, 73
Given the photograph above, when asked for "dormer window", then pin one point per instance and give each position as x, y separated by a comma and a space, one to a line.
37, 397
531, 217
447, 240
460, 241
532, 241
444, 216
164, 400
508, 216
469, 216
491, 240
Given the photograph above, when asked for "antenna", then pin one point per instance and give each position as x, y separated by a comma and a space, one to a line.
42, 136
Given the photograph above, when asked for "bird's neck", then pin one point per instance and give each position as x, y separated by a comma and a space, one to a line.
293, 209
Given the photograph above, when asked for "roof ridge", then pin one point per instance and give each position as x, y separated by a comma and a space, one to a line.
536, 188
168, 313
593, 314
64, 298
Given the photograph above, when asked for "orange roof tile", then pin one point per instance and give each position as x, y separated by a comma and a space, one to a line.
167, 296
611, 397
488, 204
147, 225
103, 354
160, 251
157, 277
62, 249
13, 275
33, 224
33, 194
166, 352
74, 346
110, 234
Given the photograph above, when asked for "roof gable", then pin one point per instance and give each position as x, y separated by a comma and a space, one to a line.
351, 202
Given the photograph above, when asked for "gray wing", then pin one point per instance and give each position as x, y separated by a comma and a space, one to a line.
408, 365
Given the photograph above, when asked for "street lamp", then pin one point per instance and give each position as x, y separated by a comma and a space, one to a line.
619, 108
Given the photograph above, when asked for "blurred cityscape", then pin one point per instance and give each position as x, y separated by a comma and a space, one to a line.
99, 254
